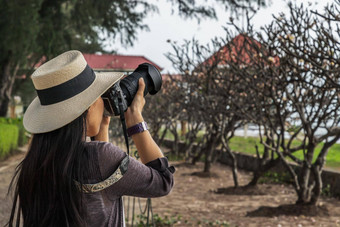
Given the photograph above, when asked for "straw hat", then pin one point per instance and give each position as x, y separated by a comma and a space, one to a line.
66, 87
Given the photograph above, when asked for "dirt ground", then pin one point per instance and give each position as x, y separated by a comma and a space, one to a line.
7, 169
206, 201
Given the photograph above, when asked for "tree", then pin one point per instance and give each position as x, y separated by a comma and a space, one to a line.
300, 80
310, 44
289, 85
33, 29
250, 65
19, 19
37, 28
250, 82
212, 92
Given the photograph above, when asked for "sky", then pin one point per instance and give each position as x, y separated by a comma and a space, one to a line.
166, 25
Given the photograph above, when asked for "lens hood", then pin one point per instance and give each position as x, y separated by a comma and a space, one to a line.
155, 76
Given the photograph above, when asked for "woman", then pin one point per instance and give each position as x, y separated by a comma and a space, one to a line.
66, 181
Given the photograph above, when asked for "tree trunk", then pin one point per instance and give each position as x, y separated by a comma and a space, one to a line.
264, 164
265, 156
233, 159
263, 168
304, 194
175, 145
198, 156
6, 85
234, 167
211, 145
201, 146
183, 128
207, 160
317, 170
4, 106
255, 179
188, 150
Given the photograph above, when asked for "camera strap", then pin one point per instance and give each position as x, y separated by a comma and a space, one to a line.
122, 120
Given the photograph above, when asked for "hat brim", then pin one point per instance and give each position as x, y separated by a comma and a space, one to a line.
45, 118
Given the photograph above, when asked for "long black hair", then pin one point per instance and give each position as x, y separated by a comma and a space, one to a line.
44, 189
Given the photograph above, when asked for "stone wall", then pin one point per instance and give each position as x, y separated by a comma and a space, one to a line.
330, 179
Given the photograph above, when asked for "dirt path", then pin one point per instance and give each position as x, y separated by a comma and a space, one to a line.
7, 169
195, 201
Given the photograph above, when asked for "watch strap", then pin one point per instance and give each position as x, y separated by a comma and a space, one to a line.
137, 128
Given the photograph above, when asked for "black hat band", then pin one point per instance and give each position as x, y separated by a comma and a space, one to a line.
68, 89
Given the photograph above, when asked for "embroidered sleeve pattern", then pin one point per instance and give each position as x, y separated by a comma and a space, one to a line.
116, 176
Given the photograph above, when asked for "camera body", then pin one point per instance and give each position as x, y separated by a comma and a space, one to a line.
119, 97
113, 99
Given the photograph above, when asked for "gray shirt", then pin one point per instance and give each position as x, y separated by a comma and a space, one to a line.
105, 208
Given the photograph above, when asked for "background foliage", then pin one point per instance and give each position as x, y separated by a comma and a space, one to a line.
9, 135
12, 136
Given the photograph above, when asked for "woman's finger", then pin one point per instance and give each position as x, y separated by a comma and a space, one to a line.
141, 87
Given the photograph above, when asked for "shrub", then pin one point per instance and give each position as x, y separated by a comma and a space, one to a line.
22, 139
9, 135
142, 220
276, 178
12, 135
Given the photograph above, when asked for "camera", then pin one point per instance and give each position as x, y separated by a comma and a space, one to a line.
119, 97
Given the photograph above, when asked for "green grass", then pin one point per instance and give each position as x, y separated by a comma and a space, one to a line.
247, 145
9, 135
12, 135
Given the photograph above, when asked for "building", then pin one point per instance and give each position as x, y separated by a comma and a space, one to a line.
116, 62
243, 50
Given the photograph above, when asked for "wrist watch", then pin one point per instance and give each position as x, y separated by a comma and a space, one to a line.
137, 128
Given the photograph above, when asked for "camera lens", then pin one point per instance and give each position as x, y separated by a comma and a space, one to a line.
152, 79
126, 90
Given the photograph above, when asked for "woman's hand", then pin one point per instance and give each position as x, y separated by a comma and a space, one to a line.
133, 115
103, 134
147, 149
105, 121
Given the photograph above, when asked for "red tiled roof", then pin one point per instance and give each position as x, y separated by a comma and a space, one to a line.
238, 50
116, 62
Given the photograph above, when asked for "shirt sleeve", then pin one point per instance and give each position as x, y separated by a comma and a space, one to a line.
153, 179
